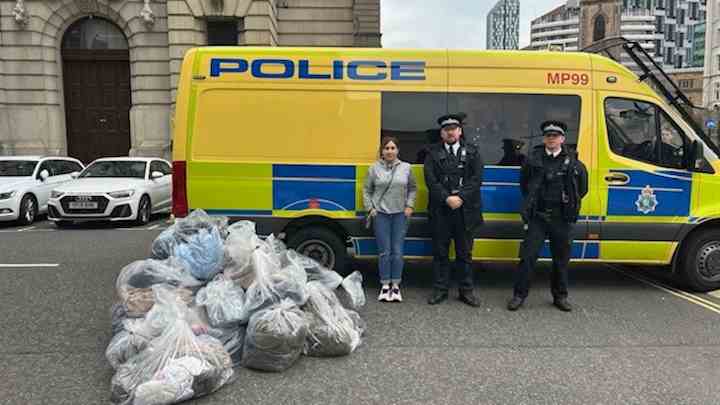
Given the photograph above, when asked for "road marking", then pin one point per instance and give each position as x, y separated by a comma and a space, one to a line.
152, 227
674, 291
715, 293
27, 265
26, 229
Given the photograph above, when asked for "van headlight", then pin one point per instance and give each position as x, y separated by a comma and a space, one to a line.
56, 194
8, 195
122, 194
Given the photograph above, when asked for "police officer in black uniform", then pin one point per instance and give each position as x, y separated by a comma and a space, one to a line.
453, 174
553, 182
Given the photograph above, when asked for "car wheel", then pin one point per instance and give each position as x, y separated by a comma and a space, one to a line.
322, 245
28, 210
699, 264
143, 214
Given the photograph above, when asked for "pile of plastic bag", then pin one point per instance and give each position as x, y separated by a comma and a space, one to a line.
215, 297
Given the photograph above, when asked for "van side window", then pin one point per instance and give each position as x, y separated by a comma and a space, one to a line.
641, 131
507, 126
411, 118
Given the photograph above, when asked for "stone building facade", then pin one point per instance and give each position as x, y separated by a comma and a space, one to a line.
92, 78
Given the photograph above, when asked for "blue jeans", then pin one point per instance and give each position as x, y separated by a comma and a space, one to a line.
390, 232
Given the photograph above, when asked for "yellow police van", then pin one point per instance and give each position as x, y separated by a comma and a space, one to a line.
284, 137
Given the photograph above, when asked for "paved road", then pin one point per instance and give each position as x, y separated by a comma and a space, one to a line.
633, 339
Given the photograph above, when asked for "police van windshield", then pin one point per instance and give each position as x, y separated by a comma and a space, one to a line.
634, 57
17, 168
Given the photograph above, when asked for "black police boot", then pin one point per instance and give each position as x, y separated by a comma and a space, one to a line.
469, 298
515, 303
562, 304
438, 297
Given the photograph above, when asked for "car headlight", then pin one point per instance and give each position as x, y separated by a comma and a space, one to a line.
122, 194
8, 195
56, 194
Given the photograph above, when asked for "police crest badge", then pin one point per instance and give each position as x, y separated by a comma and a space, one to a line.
647, 200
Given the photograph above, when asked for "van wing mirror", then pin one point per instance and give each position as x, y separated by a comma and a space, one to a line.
696, 156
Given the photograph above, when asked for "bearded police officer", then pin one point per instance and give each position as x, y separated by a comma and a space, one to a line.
453, 174
553, 182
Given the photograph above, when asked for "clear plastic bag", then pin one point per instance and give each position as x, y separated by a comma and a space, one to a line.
261, 293
275, 338
332, 331
232, 339
185, 228
124, 346
202, 253
273, 284
315, 271
239, 246
224, 302
135, 281
351, 292
175, 366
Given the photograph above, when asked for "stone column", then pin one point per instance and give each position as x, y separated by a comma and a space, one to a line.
366, 15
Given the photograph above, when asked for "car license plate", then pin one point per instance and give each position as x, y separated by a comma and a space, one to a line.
83, 205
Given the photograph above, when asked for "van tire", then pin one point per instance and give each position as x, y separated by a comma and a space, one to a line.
699, 265
321, 244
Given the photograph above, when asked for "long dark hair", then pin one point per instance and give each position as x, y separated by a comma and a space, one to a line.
386, 140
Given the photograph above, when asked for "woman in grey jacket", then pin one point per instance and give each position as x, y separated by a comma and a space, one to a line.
389, 197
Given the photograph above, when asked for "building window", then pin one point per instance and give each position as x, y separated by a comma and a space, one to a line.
599, 29
222, 32
685, 84
681, 16
661, 4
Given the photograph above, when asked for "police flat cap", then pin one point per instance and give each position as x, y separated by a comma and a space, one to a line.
553, 127
451, 119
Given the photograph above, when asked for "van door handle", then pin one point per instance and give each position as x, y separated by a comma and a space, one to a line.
618, 179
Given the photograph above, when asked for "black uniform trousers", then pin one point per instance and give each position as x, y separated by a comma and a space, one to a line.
553, 226
449, 224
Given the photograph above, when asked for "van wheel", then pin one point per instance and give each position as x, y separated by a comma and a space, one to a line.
699, 266
322, 245
28, 210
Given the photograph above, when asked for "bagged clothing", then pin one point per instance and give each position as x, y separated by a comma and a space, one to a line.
315, 271
232, 340
275, 338
135, 281
351, 293
123, 346
239, 246
183, 229
273, 284
224, 302
175, 366
118, 313
202, 253
331, 329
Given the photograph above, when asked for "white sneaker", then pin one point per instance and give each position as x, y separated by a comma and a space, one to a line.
384, 294
395, 294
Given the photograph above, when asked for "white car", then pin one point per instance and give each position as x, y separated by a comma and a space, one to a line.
114, 189
26, 183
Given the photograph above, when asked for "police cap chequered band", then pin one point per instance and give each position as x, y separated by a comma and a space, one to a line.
449, 121
553, 129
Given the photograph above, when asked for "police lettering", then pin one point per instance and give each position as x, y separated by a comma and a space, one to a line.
360, 70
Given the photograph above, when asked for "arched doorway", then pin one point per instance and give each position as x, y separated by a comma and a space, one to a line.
96, 77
